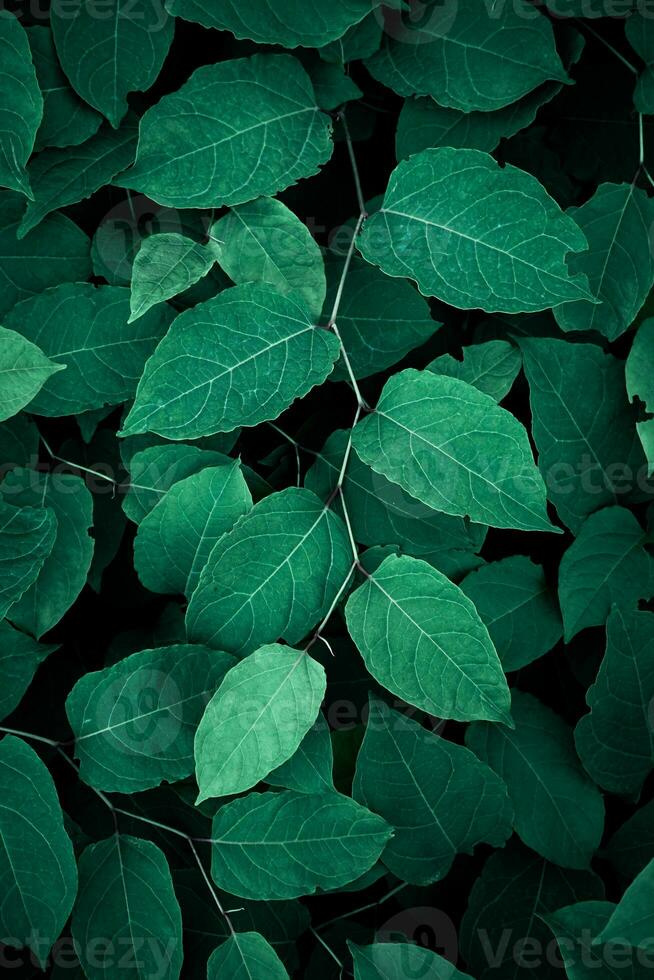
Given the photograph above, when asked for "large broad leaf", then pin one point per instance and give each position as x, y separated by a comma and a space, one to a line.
469, 56
640, 384
440, 800
422, 639
275, 575
492, 367
607, 564
263, 241
291, 23
632, 921
451, 446
245, 956
238, 359
24, 369
381, 512
582, 424
175, 539
134, 722
475, 234
559, 812
27, 536
55, 252
20, 657
256, 720
86, 330
269, 846
235, 131
517, 607
37, 866
21, 104
67, 121
505, 908
165, 265
310, 768
63, 573
109, 56
614, 740
60, 177
575, 926
380, 319
126, 896
393, 961
619, 264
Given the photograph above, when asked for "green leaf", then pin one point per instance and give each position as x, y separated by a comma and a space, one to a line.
423, 640
451, 446
380, 319
55, 252
126, 912
245, 956
165, 265
640, 384
440, 800
274, 575
67, 121
264, 242
638, 29
393, 961
619, 263
614, 741
27, 536
21, 104
238, 359
270, 846
517, 607
475, 234
582, 424
256, 719
358, 42
631, 847
309, 770
19, 442
24, 369
60, 177
606, 564
235, 131
63, 573
175, 539
503, 922
20, 657
492, 367
633, 919
37, 866
110, 56
134, 722
470, 57
291, 23
85, 329
381, 512
332, 86
575, 925
559, 812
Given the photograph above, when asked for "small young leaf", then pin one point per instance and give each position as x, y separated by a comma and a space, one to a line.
256, 720
638, 29
474, 234
134, 722
422, 639
640, 384
165, 265
175, 539
235, 131
238, 359
559, 812
27, 536
245, 956
439, 798
492, 367
270, 846
24, 369
20, 657
451, 446
21, 104
274, 575
126, 903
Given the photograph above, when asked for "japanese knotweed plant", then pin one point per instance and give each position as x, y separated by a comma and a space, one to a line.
327, 425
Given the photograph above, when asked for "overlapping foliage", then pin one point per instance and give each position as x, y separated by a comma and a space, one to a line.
326, 454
